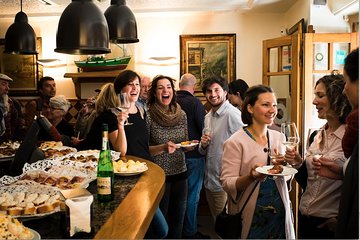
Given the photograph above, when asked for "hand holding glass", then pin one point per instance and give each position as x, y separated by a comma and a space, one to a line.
291, 137
277, 152
124, 105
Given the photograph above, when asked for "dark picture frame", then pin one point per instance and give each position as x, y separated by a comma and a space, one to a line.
23, 69
204, 55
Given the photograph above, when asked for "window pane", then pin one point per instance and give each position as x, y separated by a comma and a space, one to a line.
281, 87
321, 61
273, 60
339, 54
286, 58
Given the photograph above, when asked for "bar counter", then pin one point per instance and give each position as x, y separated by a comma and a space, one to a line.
128, 216
132, 217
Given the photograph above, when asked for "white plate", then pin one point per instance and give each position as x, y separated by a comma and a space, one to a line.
286, 170
179, 145
35, 234
131, 173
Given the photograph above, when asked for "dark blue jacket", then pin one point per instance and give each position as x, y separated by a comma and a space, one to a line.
195, 113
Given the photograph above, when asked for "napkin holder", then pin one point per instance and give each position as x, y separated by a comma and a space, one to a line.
78, 210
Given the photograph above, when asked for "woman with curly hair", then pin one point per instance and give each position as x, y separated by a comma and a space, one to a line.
319, 203
167, 125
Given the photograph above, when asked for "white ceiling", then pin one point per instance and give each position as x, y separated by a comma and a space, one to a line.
55, 7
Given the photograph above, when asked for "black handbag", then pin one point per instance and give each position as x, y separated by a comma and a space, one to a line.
229, 226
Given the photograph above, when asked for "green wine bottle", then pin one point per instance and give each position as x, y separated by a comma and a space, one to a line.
105, 170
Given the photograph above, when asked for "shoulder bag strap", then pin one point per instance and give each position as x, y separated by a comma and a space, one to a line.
249, 197
268, 162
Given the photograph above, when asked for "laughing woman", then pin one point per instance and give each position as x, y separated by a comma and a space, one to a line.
167, 125
268, 213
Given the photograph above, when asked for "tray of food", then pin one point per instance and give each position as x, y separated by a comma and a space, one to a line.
129, 168
28, 199
11, 228
8, 149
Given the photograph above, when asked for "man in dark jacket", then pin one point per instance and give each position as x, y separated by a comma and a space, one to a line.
195, 162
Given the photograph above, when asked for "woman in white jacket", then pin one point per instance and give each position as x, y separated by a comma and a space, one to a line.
268, 213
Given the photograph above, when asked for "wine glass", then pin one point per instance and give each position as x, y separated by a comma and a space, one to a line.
124, 105
320, 147
277, 152
291, 135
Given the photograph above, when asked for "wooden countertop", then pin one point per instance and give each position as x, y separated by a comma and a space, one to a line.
133, 216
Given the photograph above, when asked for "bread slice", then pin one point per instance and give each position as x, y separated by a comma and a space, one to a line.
30, 209
31, 197
50, 205
19, 197
42, 198
8, 204
15, 211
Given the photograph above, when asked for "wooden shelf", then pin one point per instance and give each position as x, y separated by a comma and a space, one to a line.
91, 77
98, 74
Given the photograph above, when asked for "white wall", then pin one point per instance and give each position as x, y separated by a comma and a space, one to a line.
301, 9
324, 21
159, 35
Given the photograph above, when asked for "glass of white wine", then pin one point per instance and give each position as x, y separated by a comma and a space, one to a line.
124, 105
277, 152
291, 135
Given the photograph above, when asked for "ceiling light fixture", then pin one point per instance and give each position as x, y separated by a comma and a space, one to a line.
121, 22
82, 29
20, 37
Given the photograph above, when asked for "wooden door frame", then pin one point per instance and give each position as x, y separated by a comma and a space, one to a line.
295, 74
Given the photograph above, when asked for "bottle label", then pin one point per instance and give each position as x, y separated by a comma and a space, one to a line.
104, 185
105, 140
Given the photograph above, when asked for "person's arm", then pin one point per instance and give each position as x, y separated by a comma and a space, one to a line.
168, 147
30, 112
118, 137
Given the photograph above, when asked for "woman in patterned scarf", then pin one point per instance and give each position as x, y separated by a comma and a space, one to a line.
167, 125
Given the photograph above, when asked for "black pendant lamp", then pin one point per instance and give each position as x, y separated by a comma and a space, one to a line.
82, 29
20, 37
121, 22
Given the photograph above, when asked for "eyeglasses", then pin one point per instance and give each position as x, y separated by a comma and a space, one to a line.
52, 108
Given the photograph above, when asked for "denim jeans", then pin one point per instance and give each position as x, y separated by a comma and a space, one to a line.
173, 206
196, 170
158, 227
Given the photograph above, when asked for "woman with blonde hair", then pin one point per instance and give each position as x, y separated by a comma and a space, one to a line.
106, 112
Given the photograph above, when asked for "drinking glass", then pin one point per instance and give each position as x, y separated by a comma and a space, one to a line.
320, 148
291, 136
277, 152
124, 105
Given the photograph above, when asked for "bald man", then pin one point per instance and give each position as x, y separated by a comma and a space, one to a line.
195, 162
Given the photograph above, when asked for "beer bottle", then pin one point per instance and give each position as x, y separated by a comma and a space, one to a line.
105, 170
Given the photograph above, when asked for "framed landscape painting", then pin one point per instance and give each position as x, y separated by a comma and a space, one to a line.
23, 69
205, 55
